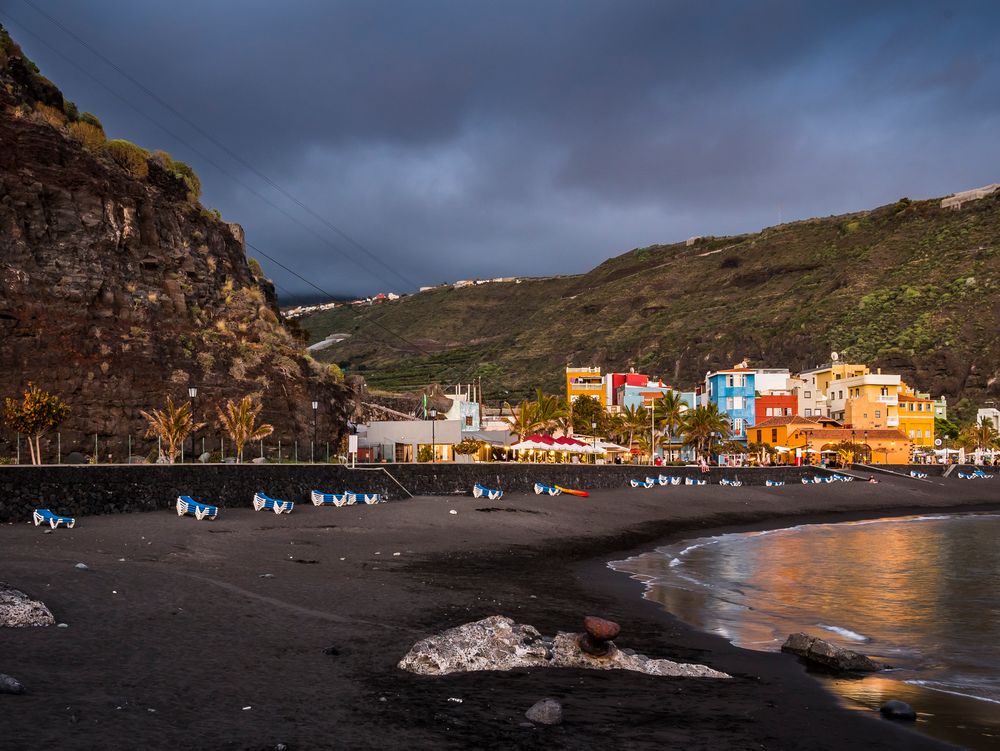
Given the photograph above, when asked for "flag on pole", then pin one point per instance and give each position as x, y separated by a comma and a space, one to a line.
425, 406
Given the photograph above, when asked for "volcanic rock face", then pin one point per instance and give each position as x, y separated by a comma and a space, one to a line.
17, 610
498, 643
116, 291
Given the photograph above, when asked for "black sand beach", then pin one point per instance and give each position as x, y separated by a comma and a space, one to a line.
176, 640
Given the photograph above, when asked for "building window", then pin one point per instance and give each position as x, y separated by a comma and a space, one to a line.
729, 403
774, 436
885, 391
809, 412
808, 394
769, 413
788, 411
878, 414
738, 426
911, 434
468, 421
737, 402
759, 436
841, 392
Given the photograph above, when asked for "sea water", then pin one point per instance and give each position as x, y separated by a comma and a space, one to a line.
921, 594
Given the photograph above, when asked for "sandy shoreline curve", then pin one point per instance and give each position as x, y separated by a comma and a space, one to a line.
176, 628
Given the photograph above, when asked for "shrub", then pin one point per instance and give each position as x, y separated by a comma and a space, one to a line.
91, 119
336, 373
90, 137
255, 269
70, 110
185, 174
129, 156
50, 115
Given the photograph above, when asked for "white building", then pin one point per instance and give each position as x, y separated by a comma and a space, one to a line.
989, 413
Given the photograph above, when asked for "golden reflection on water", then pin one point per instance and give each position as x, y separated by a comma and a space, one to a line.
919, 593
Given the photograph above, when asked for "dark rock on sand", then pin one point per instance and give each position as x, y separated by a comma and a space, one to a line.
10, 685
827, 655
545, 712
17, 610
895, 709
599, 633
331, 650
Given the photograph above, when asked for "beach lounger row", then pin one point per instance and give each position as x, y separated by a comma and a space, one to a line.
669, 480
918, 475
647, 483
480, 491
262, 501
977, 475
774, 483
347, 498
44, 516
188, 505
820, 479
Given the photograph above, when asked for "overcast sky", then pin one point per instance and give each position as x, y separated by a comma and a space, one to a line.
475, 139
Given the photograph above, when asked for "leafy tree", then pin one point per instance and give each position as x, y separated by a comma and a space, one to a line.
90, 137
634, 420
239, 420
37, 412
468, 446
172, 425
551, 412
981, 435
945, 428
132, 158
586, 411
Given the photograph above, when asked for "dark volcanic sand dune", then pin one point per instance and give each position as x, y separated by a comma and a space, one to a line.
165, 648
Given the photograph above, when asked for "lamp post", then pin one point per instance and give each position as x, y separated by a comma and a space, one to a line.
433, 414
854, 443
593, 429
867, 448
192, 396
312, 446
652, 430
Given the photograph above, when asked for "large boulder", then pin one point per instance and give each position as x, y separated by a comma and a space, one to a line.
17, 610
827, 655
545, 712
498, 643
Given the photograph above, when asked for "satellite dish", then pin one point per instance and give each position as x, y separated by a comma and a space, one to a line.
834, 356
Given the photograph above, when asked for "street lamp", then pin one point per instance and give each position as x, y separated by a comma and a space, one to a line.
312, 446
593, 429
652, 429
868, 450
192, 396
433, 414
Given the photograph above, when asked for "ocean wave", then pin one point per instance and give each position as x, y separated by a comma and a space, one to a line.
675, 562
935, 686
845, 632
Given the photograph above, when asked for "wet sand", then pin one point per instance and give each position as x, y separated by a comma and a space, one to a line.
173, 631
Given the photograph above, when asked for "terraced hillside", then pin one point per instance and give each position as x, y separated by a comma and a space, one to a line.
910, 287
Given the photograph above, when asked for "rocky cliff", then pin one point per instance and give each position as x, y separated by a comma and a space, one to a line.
118, 288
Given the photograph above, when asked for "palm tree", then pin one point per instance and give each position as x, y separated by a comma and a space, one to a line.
524, 421
634, 420
172, 426
668, 411
239, 420
552, 411
701, 424
980, 436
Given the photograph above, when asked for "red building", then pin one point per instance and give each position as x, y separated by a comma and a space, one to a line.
774, 405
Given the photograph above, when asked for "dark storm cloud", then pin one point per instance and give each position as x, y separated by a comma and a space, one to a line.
458, 139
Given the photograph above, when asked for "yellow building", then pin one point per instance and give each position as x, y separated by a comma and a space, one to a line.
810, 437
585, 382
813, 387
916, 416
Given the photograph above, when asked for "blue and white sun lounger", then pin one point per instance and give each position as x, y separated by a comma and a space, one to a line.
692, 481
774, 483
43, 515
670, 480
369, 498
540, 489
481, 490
983, 475
806, 481
647, 483
261, 502
731, 483
329, 499
918, 475
188, 505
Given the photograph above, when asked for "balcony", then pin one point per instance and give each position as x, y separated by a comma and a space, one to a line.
586, 386
892, 422
892, 400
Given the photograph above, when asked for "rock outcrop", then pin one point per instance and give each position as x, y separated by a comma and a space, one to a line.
17, 610
498, 643
827, 655
118, 288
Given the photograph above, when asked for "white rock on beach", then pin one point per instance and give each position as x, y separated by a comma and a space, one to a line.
17, 610
498, 643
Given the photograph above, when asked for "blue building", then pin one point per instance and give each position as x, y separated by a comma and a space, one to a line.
733, 392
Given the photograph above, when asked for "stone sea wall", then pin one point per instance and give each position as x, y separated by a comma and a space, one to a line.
106, 489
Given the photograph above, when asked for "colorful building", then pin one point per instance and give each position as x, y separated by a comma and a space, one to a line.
733, 392
812, 387
916, 416
775, 404
585, 382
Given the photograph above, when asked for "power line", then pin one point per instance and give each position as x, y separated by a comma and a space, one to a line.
220, 145
222, 170
178, 139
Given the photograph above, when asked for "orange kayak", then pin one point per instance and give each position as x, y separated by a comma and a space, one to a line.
570, 491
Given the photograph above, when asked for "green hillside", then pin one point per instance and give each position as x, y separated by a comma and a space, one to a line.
909, 287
